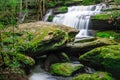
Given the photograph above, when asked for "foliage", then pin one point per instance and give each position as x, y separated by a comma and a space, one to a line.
50, 18
50, 4
89, 2
117, 1
8, 11
116, 17
94, 76
62, 9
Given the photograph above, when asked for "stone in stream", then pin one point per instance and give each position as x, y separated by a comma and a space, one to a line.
55, 58
65, 69
94, 76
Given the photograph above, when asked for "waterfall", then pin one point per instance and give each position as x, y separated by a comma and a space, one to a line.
49, 12
78, 17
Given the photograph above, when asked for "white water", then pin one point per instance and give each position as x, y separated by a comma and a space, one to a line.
49, 12
78, 17
40, 74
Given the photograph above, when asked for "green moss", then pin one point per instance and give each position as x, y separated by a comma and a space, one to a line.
50, 18
101, 17
62, 9
50, 4
72, 2
108, 34
95, 76
90, 2
107, 58
107, 15
38, 44
64, 69
117, 1
25, 59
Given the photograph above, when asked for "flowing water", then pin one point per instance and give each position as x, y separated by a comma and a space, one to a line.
78, 17
39, 74
49, 12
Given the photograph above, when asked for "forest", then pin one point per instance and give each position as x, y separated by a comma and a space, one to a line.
59, 39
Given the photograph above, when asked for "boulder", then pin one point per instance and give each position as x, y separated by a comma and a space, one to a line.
95, 76
62, 9
104, 58
83, 46
55, 58
35, 39
65, 69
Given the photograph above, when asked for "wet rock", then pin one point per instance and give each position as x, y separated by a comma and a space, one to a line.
39, 37
65, 69
104, 58
83, 46
63, 9
94, 76
55, 58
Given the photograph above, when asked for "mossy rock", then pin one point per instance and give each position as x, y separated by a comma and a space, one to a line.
108, 34
94, 76
10, 59
36, 38
62, 9
65, 69
107, 15
81, 47
101, 17
104, 58
50, 18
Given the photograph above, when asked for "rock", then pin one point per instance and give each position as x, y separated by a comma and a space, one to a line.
51, 58
58, 10
8, 61
25, 59
55, 58
30, 40
36, 38
105, 20
65, 69
87, 45
109, 34
104, 58
50, 18
94, 76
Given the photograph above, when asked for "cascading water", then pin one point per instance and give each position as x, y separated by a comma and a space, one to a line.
49, 12
40, 74
78, 17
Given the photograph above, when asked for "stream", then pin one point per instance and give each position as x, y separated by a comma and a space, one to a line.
77, 17
39, 74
